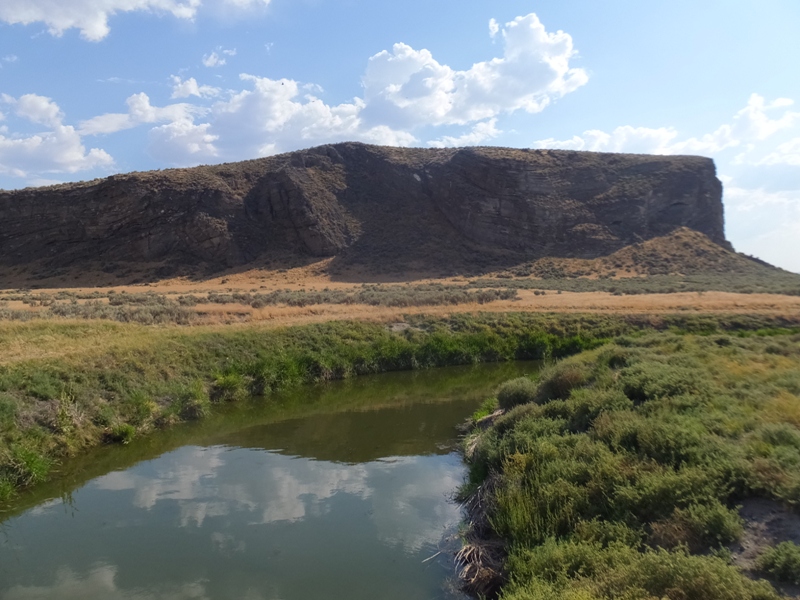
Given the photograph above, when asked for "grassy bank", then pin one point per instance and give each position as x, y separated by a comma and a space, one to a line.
66, 386
618, 472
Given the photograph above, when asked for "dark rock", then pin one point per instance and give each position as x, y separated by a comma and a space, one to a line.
369, 203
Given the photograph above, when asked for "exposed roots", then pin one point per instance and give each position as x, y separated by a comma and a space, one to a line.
479, 563
479, 566
472, 430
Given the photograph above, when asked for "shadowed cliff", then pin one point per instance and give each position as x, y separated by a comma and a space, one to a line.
368, 205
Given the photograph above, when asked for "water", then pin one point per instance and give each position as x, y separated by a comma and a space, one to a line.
341, 491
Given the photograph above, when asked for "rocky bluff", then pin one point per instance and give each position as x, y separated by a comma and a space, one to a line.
366, 201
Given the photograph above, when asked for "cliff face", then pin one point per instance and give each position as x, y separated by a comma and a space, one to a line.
366, 201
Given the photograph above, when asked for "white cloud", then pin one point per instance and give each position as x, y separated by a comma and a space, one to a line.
213, 60
749, 200
140, 111
42, 182
243, 4
749, 125
754, 123
480, 133
494, 28
621, 139
787, 153
765, 223
405, 90
407, 87
644, 140
217, 57
89, 16
183, 142
57, 150
189, 87
36, 109
274, 116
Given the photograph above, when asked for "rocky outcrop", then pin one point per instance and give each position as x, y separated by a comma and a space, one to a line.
369, 202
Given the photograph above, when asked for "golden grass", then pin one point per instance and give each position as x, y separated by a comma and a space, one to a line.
783, 408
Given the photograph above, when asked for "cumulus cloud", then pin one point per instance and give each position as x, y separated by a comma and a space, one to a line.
88, 16
184, 88
494, 28
58, 149
787, 153
480, 133
183, 139
36, 109
275, 115
621, 139
91, 17
247, 3
754, 122
751, 124
140, 111
217, 57
405, 90
408, 87
765, 223
213, 60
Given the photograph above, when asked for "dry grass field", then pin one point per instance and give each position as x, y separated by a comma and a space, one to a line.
311, 284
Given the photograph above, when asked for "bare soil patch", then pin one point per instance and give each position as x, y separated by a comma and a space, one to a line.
767, 523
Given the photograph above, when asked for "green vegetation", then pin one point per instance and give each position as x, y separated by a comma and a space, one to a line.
74, 385
782, 562
614, 474
66, 386
617, 473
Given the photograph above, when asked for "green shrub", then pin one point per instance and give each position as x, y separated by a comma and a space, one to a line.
557, 382
517, 391
122, 433
607, 532
230, 387
587, 571
486, 408
8, 411
139, 407
651, 380
782, 562
7, 489
698, 526
192, 402
584, 406
23, 465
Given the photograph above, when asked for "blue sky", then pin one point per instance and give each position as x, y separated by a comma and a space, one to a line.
93, 87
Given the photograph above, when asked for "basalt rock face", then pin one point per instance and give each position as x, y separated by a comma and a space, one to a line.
366, 201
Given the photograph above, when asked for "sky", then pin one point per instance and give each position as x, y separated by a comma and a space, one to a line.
89, 88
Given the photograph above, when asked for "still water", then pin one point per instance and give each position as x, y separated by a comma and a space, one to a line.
331, 492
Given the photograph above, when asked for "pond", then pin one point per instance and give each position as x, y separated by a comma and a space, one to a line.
329, 492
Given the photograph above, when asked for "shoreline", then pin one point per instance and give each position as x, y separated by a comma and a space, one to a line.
61, 396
